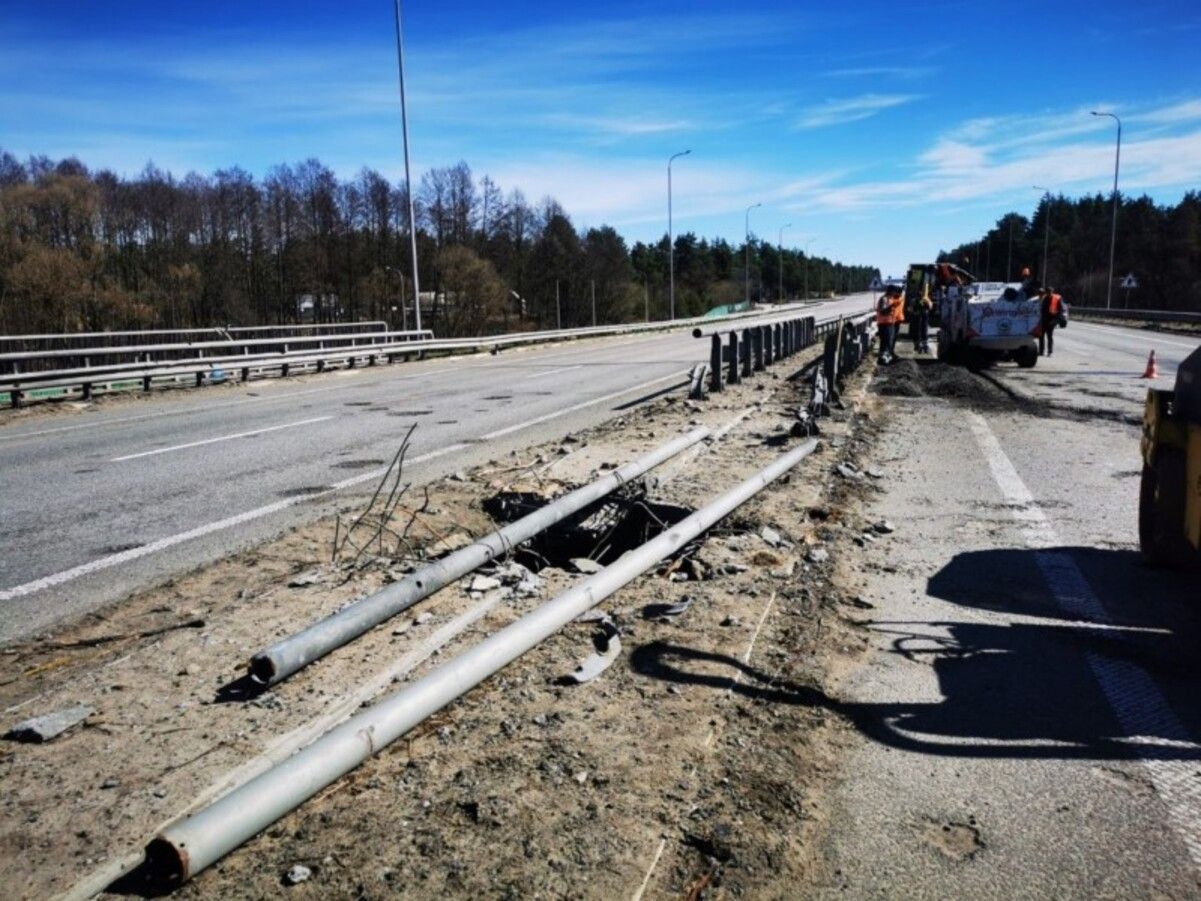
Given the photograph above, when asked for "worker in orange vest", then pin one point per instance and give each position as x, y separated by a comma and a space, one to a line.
890, 313
1052, 317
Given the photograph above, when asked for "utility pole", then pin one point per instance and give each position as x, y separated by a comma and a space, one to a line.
1046, 231
404, 125
747, 246
807, 243
780, 257
1113, 234
1009, 253
671, 241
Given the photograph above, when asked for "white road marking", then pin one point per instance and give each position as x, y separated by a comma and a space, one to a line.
1132, 694
538, 375
229, 522
507, 430
262, 431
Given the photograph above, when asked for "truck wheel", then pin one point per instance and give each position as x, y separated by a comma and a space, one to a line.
1161, 511
1027, 358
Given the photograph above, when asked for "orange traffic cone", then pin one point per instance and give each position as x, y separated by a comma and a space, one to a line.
1152, 371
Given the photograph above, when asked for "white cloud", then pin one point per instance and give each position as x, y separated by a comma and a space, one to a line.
999, 159
851, 109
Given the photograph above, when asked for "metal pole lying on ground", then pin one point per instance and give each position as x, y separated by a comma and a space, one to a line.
285, 657
186, 847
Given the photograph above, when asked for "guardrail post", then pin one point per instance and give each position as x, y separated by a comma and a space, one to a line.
732, 349
14, 397
777, 336
757, 345
246, 373
746, 353
86, 390
715, 364
769, 351
199, 379
145, 383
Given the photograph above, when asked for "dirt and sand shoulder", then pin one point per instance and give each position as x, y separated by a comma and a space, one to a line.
678, 770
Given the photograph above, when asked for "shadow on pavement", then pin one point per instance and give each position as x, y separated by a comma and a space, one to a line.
1019, 689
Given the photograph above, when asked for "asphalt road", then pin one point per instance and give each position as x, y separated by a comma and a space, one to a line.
118, 496
1028, 713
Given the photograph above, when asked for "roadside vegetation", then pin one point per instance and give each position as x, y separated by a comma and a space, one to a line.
90, 250
1160, 245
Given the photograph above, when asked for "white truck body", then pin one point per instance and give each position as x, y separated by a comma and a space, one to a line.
990, 321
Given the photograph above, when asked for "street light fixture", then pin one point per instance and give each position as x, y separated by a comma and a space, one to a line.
780, 257
747, 246
1046, 230
404, 125
671, 241
1113, 234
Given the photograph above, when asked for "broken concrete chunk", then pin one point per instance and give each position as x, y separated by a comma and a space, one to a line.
608, 649
423, 618
847, 471
484, 583
49, 726
312, 577
297, 874
585, 565
818, 555
771, 536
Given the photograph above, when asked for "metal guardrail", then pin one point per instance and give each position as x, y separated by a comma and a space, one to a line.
753, 348
205, 360
75, 340
1135, 315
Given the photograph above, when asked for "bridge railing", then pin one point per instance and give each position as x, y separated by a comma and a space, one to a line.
97, 366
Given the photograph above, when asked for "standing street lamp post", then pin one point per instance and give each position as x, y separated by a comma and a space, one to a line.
1046, 231
807, 243
404, 310
404, 125
1009, 253
671, 241
780, 258
1113, 234
747, 246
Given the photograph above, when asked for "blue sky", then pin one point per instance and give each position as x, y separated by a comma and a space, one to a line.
887, 131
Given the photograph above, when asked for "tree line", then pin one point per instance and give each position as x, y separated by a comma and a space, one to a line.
1159, 245
84, 250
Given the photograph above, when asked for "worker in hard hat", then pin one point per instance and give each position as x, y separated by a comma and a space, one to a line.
1052, 316
920, 327
890, 313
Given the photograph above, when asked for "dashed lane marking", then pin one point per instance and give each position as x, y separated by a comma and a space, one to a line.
537, 420
1135, 699
203, 441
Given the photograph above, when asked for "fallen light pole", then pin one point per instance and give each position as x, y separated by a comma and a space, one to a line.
190, 845
297, 651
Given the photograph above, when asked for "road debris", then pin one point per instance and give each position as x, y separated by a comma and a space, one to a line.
608, 648
297, 874
49, 726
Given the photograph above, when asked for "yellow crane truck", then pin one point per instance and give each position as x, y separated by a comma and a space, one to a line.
1169, 515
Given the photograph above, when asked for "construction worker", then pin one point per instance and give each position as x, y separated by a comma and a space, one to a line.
890, 313
1051, 308
920, 328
